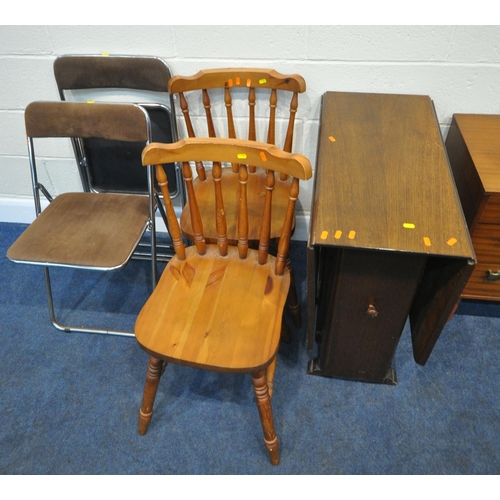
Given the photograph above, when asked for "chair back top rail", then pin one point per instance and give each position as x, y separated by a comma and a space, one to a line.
232, 78
92, 72
237, 77
255, 153
123, 122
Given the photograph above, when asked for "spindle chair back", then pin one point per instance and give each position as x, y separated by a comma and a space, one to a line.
217, 306
243, 90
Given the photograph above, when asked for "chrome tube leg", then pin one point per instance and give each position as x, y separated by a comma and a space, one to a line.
152, 214
50, 300
70, 329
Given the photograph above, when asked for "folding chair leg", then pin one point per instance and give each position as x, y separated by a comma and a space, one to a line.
164, 252
71, 329
161, 209
154, 267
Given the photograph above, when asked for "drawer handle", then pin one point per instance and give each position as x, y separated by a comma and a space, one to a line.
371, 311
493, 276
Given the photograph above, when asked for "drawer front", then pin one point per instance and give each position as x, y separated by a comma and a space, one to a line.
480, 285
491, 212
484, 282
486, 242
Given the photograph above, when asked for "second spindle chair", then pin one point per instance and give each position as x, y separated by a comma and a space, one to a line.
252, 98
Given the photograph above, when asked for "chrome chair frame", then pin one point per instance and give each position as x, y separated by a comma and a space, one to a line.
110, 77
151, 226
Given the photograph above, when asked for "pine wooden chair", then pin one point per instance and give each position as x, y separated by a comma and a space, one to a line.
241, 89
219, 307
98, 231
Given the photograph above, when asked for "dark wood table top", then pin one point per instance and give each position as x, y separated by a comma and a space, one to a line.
382, 177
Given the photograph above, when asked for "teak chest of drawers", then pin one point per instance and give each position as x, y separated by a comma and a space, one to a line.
388, 238
473, 145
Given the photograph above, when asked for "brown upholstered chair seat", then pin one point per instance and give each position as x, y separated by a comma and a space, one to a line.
89, 230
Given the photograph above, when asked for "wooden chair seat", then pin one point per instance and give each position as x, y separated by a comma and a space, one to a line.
221, 313
256, 187
112, 223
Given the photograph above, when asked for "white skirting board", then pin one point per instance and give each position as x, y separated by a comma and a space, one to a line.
22, 211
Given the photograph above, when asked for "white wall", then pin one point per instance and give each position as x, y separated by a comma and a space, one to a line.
457, 66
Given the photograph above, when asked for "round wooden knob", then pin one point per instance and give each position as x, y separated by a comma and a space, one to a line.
371, 311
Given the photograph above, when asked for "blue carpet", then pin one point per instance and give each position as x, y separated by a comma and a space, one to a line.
69, 402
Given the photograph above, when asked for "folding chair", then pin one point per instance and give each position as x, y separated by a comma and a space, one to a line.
112, 167
86, 230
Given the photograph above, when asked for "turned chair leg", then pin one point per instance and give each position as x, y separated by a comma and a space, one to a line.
270, 376
156, 367
266, 415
